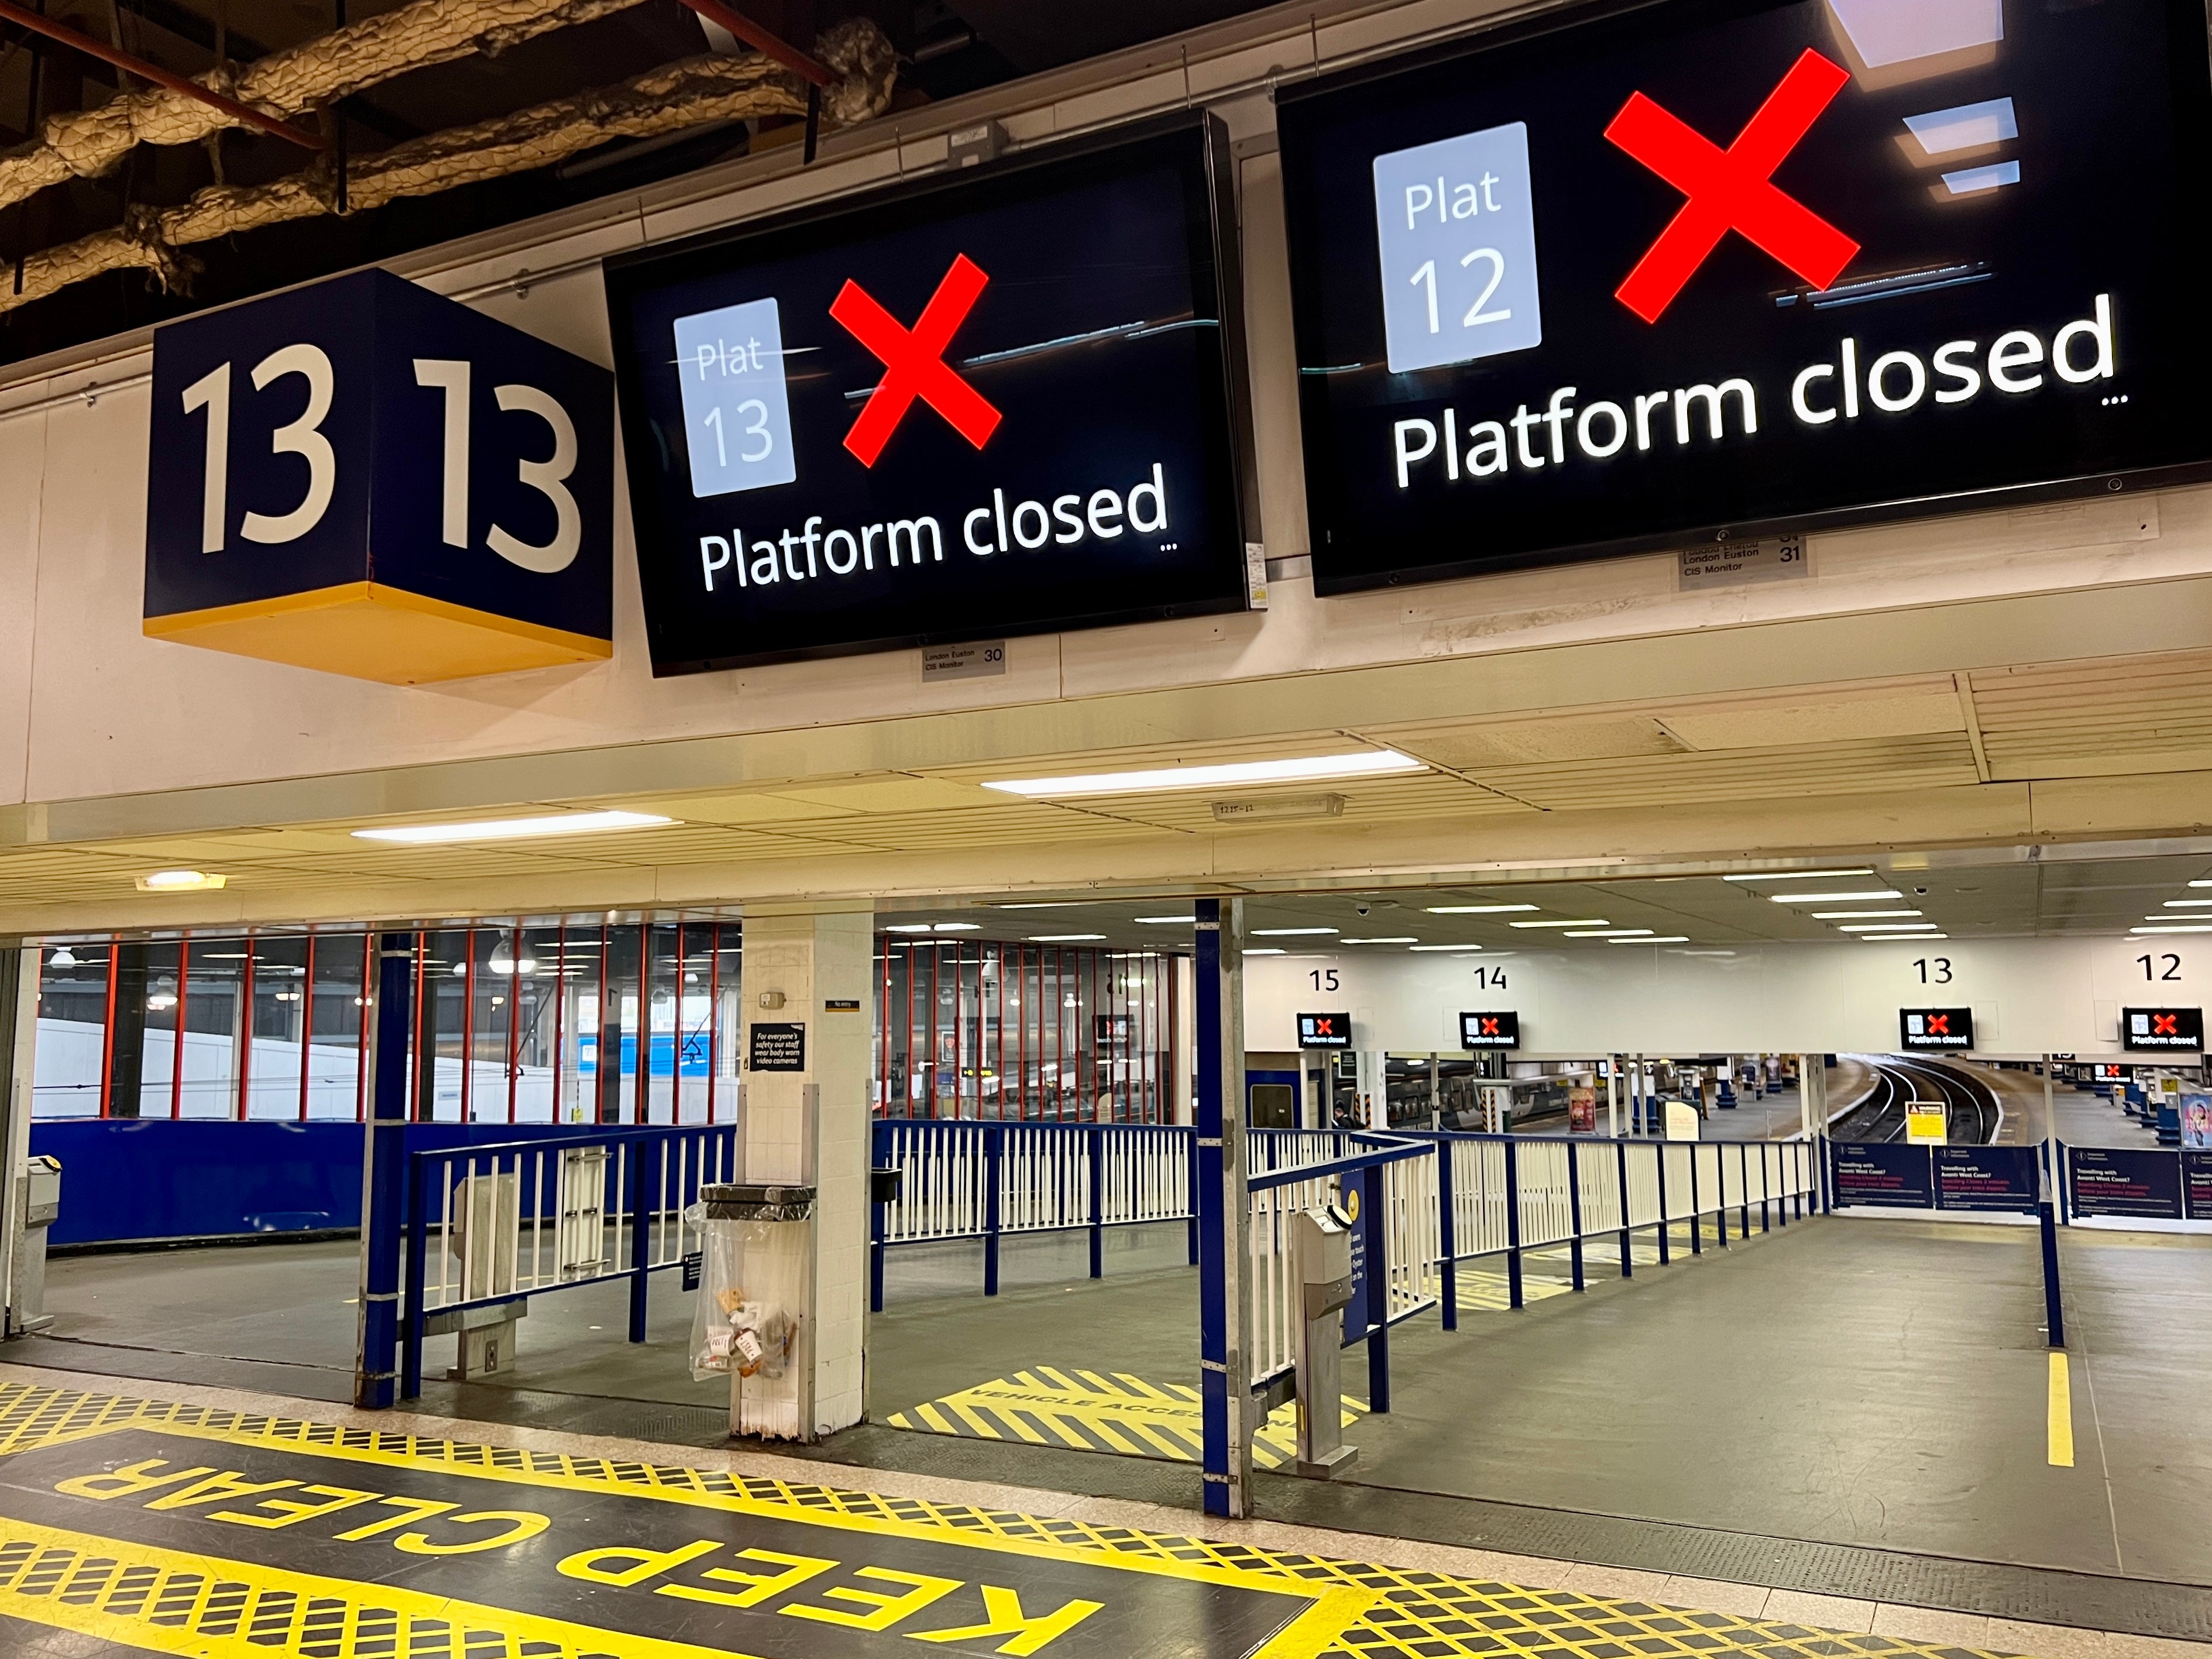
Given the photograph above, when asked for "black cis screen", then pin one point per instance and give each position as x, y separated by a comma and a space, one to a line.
1715, 265
996, 405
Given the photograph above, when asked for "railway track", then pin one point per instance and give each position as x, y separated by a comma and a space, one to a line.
1972, 1114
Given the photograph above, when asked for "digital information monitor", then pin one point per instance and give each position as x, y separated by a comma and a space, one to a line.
1717, 269
1005, 402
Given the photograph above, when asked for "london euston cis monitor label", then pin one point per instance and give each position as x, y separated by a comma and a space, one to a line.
1000, 404
1720, 264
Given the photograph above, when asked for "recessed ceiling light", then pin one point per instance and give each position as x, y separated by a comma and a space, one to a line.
1063, 939
1833, 898
1797, 875
1859, 916
1307, 769
1587, 921
1166, 921
1404, 939
1664, 939
1456, 949
179, 881
558, 824
1475, 909
1608, 933
1289, 932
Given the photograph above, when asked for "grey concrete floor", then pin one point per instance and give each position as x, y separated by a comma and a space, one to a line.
1879, 1384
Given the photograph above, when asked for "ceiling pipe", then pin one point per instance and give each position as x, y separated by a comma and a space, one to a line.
766, 42
246, 114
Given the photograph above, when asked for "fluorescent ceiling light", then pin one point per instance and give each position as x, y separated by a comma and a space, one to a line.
1899, 938
1309, 769
1459, 949
1797, 875
1289, 932
1887, 927
1587, 922
1166, 921
1063, 939
179, 881
1859, 915
906, 927
1833, 898
1267, 951
558, 824
1405, 939
1609, 932
1968, 126
2203, 928
2206, 882
1971, 181
1664, 939
2186, 904
1475, 909
1054, 904
958, 928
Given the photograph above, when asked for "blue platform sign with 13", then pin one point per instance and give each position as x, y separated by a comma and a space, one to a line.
367, 430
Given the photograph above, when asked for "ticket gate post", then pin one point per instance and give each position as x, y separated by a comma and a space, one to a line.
1321, 1259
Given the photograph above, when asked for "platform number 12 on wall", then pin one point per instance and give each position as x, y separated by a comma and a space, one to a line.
2167, 965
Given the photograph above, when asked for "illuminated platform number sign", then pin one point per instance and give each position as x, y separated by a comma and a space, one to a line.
1324, 1030
1697, 273
1935, 1028
2151, 1030
1493, 1031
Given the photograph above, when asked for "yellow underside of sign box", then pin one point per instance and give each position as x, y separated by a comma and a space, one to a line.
373, 632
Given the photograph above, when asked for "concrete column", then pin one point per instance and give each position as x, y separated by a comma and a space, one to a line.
2050, 1102
1373, 1098
802, 960
1613, 1097
1812, 1091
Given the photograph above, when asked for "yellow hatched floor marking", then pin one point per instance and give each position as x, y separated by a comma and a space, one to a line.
1481, 1291
1130, 1415
2058, 1422
172, 1603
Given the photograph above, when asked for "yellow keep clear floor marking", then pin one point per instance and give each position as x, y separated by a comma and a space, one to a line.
1089, 1411
238, 1598
2058, 1429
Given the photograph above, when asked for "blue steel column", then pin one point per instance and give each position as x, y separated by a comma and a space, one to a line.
384, 1175
1223, 1291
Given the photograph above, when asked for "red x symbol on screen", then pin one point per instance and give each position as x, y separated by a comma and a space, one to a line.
1489, 1028
1939, 1025
914, 361
1324, 1028
1732, 189
2165, 1025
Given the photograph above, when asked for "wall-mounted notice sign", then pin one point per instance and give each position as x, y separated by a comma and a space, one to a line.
1324, 1030
2145, 1030
1935, 1028
1005, 402
1491, 1031
1753, 265
777, 1046
365, 478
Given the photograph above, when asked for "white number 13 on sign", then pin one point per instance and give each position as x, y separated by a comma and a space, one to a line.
303, 437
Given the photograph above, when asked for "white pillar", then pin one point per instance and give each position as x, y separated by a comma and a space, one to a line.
1613, 1096
1374, 1101
809, 959
1812, 1090
2050, 1102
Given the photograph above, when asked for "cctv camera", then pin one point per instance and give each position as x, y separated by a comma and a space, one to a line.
1921, 891
1361, 909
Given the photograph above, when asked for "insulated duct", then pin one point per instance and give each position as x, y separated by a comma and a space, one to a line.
689, 93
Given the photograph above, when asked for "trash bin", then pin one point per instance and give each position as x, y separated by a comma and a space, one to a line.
752, 1319
38, 1201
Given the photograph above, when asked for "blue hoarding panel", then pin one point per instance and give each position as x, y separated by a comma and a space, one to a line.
1884, 1174
2125, 1181
2001, 1178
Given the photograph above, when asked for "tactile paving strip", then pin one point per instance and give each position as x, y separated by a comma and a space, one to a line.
170, 1602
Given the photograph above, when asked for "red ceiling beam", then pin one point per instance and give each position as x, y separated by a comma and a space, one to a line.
245, 114
766, 42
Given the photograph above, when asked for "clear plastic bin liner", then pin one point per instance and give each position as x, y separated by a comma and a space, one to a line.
746, 1323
